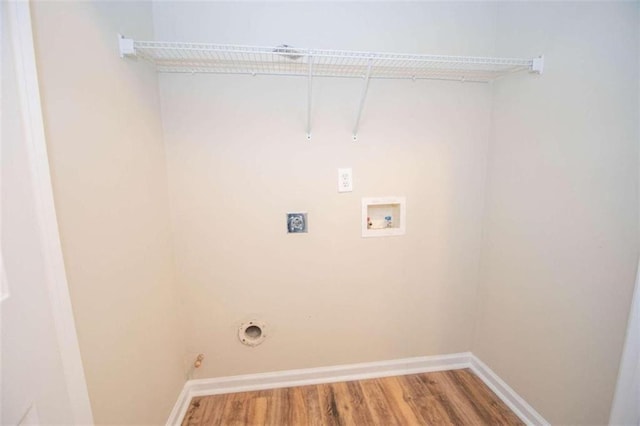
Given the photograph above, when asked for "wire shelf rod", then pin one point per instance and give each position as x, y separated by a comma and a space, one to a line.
310, 61
365, 87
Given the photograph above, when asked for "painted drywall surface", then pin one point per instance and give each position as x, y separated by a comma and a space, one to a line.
239, 160
102, 122
625, 408
561, 230
32, 370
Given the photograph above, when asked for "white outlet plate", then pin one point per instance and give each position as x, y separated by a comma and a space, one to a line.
345, 180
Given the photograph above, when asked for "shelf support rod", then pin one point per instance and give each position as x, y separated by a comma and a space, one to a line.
310, 61
365, 87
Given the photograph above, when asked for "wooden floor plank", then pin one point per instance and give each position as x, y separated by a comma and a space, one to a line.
328, 406
457, 406
483, 398
312, 405
213, 411
422, 401
351, 405
396, 397
234, 413
381, 412
456, 397
276, 409
206, 410
257, 410
194, 413
297, 409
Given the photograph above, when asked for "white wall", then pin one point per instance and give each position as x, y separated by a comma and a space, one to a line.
31, 364
561, 229
238, 161
103, 128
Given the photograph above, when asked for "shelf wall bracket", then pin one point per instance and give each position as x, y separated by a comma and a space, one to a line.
310, 61
363, 96
537, 65
126, 46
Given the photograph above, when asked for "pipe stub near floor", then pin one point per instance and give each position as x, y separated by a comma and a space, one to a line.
252, 333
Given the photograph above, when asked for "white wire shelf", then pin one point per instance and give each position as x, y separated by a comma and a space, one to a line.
175, 57
171, 57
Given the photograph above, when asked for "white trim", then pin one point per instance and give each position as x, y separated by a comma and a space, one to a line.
514, 401
180, 408
311, 376
342, 373
58, 291
4, 283
625, 409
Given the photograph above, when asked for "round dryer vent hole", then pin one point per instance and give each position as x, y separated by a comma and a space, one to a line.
252, 333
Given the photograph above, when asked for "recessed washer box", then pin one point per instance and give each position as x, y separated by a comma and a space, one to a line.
384, 216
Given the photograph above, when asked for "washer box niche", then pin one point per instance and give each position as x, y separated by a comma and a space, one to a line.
383, 216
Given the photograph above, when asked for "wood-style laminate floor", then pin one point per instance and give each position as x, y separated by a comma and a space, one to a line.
456, 397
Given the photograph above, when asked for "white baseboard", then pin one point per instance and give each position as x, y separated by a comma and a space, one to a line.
180, 407
343, 373
514, 401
